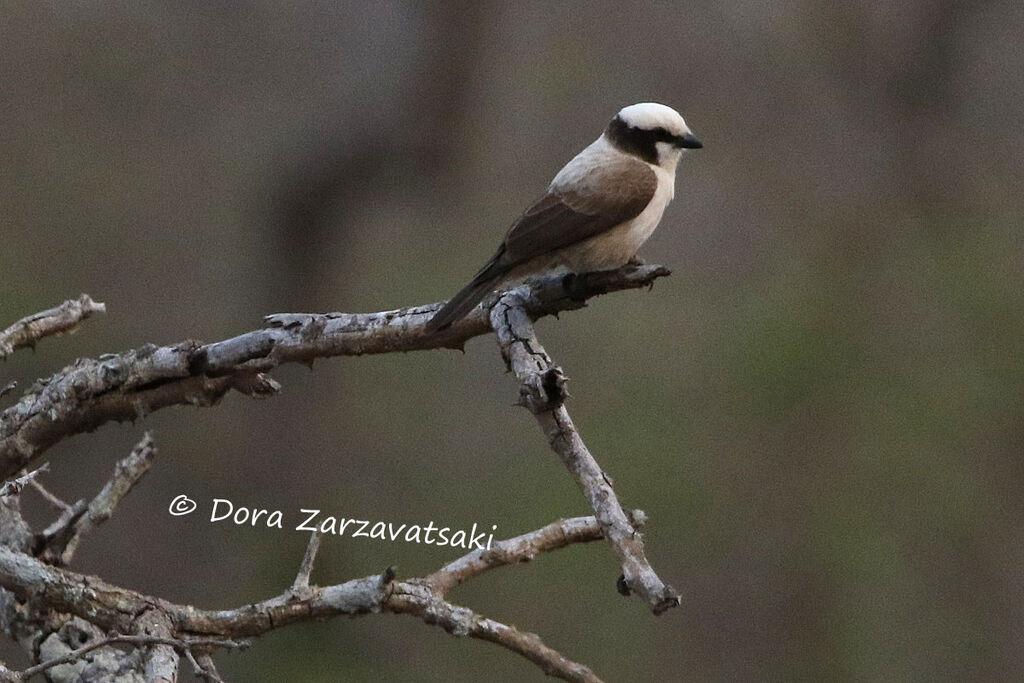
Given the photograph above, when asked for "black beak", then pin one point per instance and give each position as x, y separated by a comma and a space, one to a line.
688, 141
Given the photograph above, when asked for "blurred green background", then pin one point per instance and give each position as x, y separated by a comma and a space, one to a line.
821, 410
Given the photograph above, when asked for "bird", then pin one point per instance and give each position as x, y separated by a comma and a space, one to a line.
596, 212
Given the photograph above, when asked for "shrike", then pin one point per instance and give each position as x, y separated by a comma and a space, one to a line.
597, 211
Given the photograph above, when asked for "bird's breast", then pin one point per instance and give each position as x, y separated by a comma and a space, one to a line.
615, 247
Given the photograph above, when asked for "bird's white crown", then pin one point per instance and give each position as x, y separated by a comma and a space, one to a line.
651, 115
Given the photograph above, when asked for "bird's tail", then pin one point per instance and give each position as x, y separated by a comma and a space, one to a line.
467, 298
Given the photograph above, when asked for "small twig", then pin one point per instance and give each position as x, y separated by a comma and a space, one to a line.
60, 541
205, 667
61, 319
49, 497
522, 548
13, 487
58, 532
301, 583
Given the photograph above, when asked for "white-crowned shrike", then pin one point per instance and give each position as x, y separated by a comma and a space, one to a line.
597, 211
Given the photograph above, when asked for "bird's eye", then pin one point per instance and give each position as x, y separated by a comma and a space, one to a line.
662, 135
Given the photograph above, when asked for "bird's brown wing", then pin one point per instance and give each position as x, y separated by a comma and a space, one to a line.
612, 194
605, 197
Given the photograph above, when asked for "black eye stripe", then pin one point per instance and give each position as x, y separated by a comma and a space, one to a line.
635, 141
664, 136
640, 142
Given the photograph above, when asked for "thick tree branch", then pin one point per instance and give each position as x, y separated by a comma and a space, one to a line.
125, 611
117, 387
129, 385
61, 319
161, 664
542, 391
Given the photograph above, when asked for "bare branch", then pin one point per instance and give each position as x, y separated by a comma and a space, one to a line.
13, 487
115, 608
62, 319
161, 664
542, 391
521, 549
205, 668
137, 640
60, 541
418, 600
301, 583
126, 386
59, 530
48, 496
